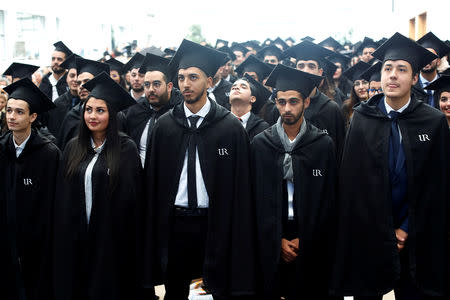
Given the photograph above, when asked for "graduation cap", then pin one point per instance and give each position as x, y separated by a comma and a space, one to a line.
267, 42
219, 41
239, 47
336, 57
354, 73
440, 84
61, 47
228, 51
70, 62
252, 44
329, 68
262, 94
330, 42
367, 43
429, 40
308, 38
25, 89
134, 63
308, 51
155, 63
373, 73
399, 47
115, 65
271, 50
285, 78
19, 70
191, 54
280, 42
253, 64
169, 52
90, 66
290, 39
104, 88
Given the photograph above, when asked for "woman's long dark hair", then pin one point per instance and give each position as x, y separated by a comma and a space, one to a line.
78, 152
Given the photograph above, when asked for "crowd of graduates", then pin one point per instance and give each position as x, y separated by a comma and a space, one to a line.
270, 170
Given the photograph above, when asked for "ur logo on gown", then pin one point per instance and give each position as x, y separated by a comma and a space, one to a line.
223, 151
27, 181
317, 173
424, 138
324, 131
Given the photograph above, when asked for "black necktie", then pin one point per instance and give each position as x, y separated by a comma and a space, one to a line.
395, 134
430, 98
191, 174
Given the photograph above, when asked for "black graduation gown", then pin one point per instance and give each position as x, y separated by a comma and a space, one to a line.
98, 260
421, 94
30, 182
367, 260
313, 197
57, 115
255, 125
229, 263
69, 126
222, 93
46, 86
136, 117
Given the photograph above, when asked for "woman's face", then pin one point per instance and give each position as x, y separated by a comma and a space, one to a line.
361, 87
96, 115
114, 75
444, 104
2, 102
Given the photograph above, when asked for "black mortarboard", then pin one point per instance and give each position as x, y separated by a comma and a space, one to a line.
308, 51
367, 43
329, 68
308, 38
104, 88
285, 78
252, 44
440, 84
354, 73
155, 63
373, 73
399, 47
220, 41
170, 52
19, 70
336, 57
330, 42
90, 66
262, 94
59, 46
134, 63
290, 39
267, 42
253, 64
115, 65
270, 50
280, 42
227, 50
191, 54
239, 47
26, 90
429, 40
70, 62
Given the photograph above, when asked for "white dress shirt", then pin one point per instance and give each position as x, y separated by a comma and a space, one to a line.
88, 179
53, 82
400, 110
143, 140
426, 82
19, 148
182, 194
244, 118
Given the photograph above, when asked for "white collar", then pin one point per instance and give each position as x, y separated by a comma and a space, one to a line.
52, 79
400, 110
201, 113
244, 117
98, 149
426, 82
211, 89
21, 146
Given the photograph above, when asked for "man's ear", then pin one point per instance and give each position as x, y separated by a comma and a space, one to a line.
252, 99
33, 117
306, 103
415, 78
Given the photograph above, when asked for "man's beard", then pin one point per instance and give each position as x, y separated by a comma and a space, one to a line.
191, 101
138, 90
58, 70
429, 70
160, 101
294, 118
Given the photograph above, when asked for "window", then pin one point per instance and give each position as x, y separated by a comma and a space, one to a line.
28, 30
